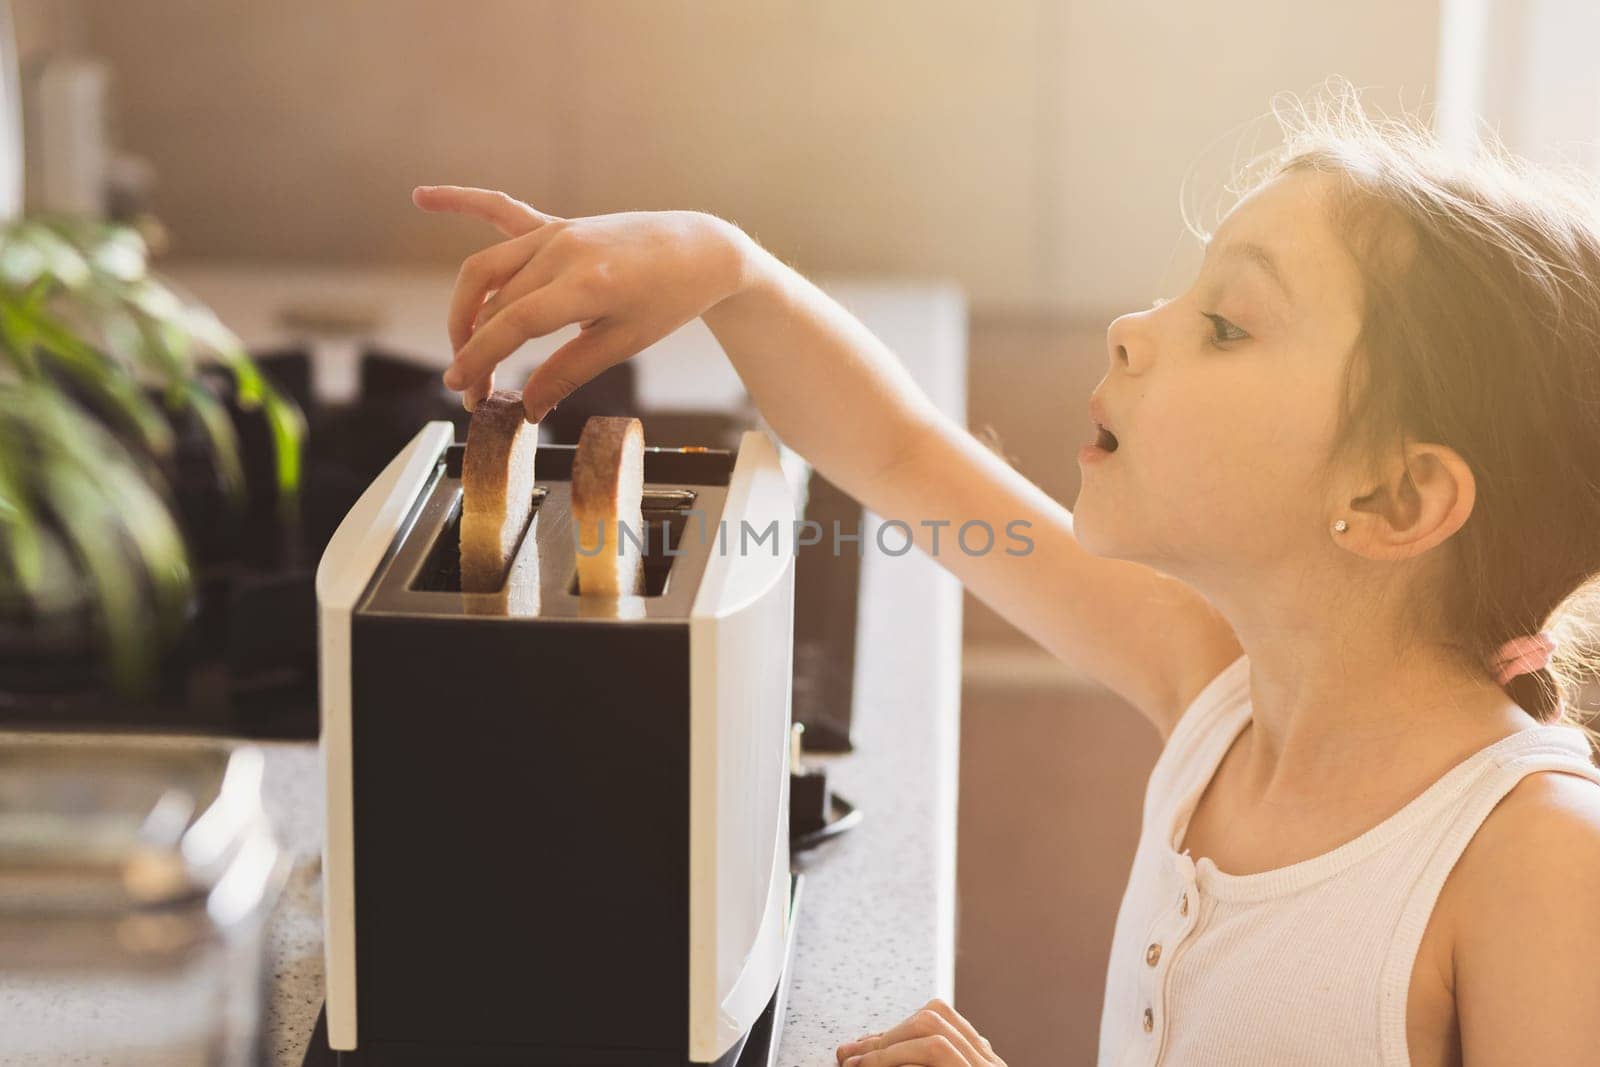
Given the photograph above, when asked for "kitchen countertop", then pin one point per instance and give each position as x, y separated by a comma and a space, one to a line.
876, 931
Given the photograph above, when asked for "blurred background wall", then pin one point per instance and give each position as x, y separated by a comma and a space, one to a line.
1032, 150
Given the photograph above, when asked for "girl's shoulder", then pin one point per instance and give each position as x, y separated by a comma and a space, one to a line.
1543, 836
1545, 816
1519, 918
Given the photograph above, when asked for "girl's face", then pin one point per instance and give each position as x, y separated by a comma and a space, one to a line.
1224, 401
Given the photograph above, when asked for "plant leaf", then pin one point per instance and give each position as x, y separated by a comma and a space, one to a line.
97, 374
284, 418
112, 517
30, 252
224, 439
21, 543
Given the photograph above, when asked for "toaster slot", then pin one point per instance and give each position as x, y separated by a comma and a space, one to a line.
666, 501
440, 571
421, 576
666, 512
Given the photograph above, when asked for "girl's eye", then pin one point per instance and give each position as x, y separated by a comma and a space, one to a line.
1223, 331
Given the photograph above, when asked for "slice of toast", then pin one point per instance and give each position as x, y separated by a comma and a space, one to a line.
519, 595
607, 490
496, 489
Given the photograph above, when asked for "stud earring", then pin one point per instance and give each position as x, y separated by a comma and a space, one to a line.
1340, 526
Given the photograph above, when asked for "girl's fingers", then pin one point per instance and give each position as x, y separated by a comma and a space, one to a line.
965, 1028
923, 1024
537, 273
483, 272
475, 392
860, 1044
508, 215
482, 335
921, 1052
573, 364
540, 312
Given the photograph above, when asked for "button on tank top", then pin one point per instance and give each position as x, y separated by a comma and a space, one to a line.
1308, 964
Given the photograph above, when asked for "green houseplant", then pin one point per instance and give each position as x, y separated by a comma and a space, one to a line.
98, 362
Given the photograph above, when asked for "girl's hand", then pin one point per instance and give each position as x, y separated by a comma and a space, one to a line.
936, 1036
629, 279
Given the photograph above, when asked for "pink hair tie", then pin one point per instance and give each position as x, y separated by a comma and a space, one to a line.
1522, 655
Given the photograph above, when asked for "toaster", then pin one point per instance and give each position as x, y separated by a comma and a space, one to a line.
557, 825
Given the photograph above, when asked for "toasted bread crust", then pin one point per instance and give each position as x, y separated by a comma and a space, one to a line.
607, 487
497, 489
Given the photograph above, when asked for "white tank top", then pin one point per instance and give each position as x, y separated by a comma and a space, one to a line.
1308, 964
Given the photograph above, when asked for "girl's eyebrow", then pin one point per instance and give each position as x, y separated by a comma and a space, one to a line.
1260, 257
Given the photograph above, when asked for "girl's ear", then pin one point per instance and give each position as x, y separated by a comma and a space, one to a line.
1423, 496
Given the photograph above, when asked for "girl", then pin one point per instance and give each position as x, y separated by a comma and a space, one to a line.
1337, 539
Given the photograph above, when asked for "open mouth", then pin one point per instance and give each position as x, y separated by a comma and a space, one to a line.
1105, 439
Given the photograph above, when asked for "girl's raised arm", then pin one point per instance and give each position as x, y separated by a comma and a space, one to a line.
840, 398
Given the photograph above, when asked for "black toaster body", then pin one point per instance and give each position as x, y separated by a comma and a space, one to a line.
554, 831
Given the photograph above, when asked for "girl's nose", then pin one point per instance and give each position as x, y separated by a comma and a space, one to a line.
1128, 343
